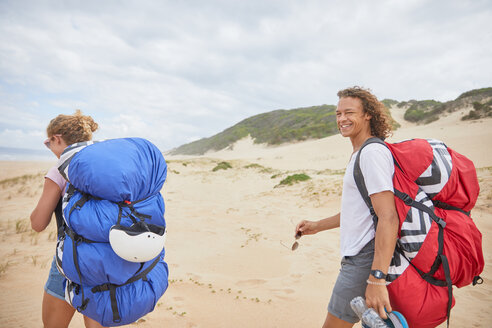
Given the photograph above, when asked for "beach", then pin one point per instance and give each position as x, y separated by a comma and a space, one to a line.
230, 233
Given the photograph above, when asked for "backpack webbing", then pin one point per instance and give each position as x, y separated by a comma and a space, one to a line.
440, 259
76, 239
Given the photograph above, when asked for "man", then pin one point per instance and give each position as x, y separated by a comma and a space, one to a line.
366, 251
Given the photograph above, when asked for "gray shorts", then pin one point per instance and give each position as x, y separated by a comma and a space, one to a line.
351, 282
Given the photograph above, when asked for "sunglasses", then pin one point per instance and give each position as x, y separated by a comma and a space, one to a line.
48, 140
295, 245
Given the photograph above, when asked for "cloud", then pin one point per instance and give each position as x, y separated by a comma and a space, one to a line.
175, 71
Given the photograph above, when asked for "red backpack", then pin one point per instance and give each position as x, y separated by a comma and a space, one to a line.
438, 244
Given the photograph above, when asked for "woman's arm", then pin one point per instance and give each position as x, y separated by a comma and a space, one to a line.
41, 216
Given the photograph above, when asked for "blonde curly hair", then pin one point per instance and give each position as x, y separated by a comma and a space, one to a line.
380, 122
73, 128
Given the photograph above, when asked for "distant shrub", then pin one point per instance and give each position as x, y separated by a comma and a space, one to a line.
267, 170
424, 111
476, 92
222, 166
472, 115
414, 115
295, 178
389, 102
253, 166
480, 110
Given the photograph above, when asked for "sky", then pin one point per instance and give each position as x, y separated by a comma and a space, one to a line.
177, 71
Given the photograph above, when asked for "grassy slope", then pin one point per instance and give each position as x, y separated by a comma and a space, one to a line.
316, 122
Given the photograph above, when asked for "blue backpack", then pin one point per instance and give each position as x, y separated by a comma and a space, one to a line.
115, 182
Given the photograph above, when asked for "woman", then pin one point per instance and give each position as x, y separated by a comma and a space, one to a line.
62, 131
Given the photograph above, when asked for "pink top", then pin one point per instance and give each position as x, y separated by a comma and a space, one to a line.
57, 178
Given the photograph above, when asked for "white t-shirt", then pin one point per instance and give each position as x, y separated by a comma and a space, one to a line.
356, 224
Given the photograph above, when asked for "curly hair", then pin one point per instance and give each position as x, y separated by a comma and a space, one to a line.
380, 123
73, 128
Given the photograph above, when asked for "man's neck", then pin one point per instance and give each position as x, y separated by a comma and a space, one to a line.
359, 140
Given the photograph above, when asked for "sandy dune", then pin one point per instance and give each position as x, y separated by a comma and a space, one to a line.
230, 232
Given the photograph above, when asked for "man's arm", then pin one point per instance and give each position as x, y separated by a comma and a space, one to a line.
386, 235
306, 227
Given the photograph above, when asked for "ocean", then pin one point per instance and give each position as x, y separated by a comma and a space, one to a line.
21, 154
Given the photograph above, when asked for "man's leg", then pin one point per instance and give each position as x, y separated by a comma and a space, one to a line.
333, 322
351, 282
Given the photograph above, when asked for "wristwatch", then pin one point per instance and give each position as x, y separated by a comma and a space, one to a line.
378, 274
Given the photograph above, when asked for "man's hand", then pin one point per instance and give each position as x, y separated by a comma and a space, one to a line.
306, 227
377, 298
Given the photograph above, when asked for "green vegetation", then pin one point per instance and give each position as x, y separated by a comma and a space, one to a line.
253, 166
295, 178
479, 111
24, 179
222, 166
389, 102
21, 226
424, 111
272, 128
427, 111
3, 267
281, 126
482, 93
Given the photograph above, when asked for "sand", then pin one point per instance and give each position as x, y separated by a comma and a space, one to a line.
230, 233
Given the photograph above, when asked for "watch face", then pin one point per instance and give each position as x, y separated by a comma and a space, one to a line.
378, 274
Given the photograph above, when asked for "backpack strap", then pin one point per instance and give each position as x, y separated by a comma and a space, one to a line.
445, 206
359, 177
77, 239
440, 259
112, 288
59, 217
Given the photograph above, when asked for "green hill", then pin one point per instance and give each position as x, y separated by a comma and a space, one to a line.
272, 128
280, 126
426, 111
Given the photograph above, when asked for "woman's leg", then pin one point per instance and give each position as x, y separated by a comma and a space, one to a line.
56, 313
89, 323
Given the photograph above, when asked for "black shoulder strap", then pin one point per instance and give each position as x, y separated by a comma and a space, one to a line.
359, 178
59, 217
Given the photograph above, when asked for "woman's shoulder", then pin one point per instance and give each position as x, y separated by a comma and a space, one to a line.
55, 176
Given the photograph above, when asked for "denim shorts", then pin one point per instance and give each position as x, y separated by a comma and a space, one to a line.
55, 284
351, 282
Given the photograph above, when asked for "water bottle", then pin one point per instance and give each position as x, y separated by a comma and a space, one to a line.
368, 316
359, 306
372, 319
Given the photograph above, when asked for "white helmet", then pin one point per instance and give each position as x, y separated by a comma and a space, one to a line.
140, 242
